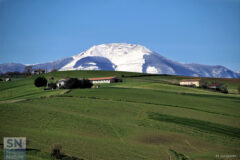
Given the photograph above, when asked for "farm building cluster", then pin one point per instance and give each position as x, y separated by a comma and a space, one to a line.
39, 71
99, 80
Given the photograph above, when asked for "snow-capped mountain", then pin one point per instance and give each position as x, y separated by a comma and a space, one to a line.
137, 58
132, 58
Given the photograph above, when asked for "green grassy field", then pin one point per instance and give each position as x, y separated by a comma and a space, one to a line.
145, 117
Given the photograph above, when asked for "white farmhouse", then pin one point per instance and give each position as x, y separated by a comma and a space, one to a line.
61, 82
104, 80
190, 82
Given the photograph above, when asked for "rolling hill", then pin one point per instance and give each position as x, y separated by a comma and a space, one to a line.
145, 117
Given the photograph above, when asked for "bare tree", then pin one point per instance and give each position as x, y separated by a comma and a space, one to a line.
28, 70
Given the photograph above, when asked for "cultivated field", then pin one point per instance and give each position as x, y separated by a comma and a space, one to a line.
145, 117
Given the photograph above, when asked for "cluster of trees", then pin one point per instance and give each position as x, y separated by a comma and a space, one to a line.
11, 74
213, 85
43, 82
28, 70
71, 83
76, 83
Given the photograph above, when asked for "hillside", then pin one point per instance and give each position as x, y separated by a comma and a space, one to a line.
145, 117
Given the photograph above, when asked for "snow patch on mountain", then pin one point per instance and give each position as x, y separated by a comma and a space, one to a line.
152, 70
121, 56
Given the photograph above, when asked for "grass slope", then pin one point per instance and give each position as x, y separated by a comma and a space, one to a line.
145, 117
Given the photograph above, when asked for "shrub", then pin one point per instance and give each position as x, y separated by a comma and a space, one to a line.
56, 151
40, 82
223, 89
52, 85
118, 80
71, 158
204, 84
1, 79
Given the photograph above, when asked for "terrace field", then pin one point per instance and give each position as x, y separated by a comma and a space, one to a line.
145, 117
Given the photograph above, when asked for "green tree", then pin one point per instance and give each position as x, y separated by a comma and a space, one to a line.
223, 89
40, 82
204, 84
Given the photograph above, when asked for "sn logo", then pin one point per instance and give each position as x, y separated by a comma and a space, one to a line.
14, 142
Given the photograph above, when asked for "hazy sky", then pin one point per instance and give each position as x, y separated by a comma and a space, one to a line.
199, 31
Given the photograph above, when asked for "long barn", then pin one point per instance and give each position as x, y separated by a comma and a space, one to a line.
104, 80
190, 82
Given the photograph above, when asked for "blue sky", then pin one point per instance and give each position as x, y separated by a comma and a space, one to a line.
199, 31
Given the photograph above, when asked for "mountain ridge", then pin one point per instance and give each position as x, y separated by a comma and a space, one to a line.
131, 58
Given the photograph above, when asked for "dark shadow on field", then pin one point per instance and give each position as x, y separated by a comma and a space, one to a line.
197, 124
212, 96
32, 149
62, 156
178, 155
66, 157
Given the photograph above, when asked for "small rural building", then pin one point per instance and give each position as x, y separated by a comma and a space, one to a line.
61, 82
39, 71
190, 82
105, 80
